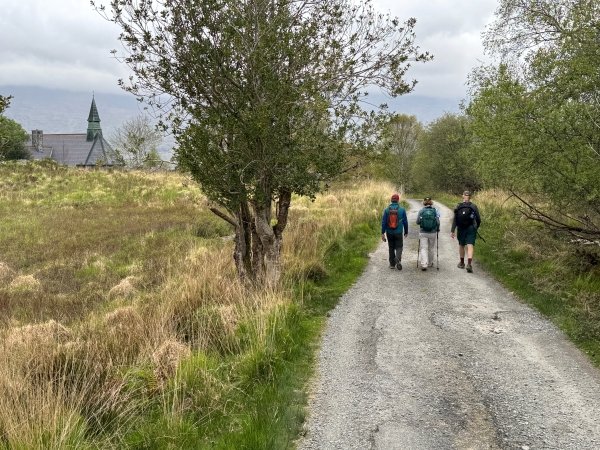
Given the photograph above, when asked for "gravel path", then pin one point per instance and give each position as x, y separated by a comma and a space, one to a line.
446, 360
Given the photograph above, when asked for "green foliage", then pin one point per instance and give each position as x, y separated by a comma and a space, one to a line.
209, 226
265, 98
397, 149
536, 124
4, 103
12, 140
443, 161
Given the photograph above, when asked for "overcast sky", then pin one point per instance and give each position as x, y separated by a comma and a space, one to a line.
65, 43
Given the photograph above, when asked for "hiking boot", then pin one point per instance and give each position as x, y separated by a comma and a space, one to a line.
469, 268
398, 265
461, 265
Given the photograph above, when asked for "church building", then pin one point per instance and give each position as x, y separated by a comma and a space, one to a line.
81, 149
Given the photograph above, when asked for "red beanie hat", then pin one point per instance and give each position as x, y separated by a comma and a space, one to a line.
395, 197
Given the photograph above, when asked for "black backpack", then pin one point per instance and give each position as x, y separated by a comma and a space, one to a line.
464, 215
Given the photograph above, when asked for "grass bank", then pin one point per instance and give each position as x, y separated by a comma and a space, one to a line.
123, 325
551, 272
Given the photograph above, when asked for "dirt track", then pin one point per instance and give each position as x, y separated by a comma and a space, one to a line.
446, 360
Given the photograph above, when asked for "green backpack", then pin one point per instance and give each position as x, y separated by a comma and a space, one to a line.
428, 220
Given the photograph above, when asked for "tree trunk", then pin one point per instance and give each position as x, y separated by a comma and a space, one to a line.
243, 243
269, 268
257, 252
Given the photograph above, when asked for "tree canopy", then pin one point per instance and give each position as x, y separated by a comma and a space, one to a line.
442, 161
535, 115
263, 97
398, 147
4, 102
136, 142
12, 140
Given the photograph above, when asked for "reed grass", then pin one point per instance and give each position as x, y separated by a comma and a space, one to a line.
123, 324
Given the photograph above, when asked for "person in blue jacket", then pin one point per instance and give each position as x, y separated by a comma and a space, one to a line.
393, 222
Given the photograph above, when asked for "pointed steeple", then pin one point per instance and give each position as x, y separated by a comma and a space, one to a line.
93, 122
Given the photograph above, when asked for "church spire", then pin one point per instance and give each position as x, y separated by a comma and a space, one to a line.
93, 122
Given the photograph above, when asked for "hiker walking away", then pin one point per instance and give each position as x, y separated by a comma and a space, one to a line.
394, 220
467, 221
429, 221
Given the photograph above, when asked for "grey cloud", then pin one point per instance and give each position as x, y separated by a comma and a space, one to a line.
66, 45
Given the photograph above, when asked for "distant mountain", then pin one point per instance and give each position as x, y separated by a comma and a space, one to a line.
59, 111
426, 109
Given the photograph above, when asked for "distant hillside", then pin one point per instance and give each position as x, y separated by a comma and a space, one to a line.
426, 109
59, 111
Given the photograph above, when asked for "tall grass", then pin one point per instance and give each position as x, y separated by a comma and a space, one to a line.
124, 325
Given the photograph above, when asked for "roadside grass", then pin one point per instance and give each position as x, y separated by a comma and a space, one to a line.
79, 233
123, 324
558, 277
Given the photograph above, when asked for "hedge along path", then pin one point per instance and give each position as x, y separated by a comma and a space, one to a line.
446, 359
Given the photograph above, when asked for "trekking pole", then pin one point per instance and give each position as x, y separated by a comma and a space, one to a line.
418, 252
480, 236
437, 249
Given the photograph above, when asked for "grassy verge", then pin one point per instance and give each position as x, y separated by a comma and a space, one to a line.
559, 278
123, 324
273, 412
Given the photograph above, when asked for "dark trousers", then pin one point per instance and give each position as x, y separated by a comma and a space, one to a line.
395, 243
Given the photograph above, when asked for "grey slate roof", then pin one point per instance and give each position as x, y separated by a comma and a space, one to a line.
73, 149
81, 149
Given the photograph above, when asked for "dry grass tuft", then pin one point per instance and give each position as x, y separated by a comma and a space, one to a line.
35, 337
229, 315
496, 197
6, 273
25, 283
124, 323
167, 356
125, 289
32, 350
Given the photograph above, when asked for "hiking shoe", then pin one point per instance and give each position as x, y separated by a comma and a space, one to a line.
461, 265
398, 265
423, 268
392, 266
469, 268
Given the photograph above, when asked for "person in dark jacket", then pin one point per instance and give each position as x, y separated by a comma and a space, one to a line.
393, 222
467, 220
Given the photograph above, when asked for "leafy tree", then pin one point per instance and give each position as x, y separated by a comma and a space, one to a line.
399, 144
12, 140
4, 103
135, 143
442, 161
535, 116
264, 98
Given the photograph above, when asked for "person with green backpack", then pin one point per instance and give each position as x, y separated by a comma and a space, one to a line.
429, 221
393, 222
